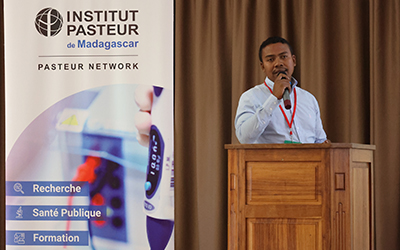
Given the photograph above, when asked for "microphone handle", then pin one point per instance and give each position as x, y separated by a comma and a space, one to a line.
286, 99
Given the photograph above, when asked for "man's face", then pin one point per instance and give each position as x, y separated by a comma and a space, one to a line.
277, 58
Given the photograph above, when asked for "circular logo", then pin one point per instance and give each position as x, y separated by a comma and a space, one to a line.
48, 22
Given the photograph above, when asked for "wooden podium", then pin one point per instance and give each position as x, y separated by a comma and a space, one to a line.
300, 197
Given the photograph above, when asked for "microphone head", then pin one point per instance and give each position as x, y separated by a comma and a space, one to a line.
282, 72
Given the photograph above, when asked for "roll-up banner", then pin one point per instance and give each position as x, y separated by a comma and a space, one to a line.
89, 124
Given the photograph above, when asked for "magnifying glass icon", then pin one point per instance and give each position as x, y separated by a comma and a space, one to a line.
18, 188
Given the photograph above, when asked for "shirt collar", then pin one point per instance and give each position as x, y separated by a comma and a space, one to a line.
271, 83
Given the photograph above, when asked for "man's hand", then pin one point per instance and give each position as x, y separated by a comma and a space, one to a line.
144, 100
282, 82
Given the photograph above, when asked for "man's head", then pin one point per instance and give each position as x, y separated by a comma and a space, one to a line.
276, 55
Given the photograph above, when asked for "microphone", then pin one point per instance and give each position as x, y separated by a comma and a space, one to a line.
286, 95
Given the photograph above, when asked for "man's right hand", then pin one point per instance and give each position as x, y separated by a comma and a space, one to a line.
282, 82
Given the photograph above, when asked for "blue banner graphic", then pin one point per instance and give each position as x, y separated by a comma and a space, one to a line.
38, 188
56, 212
47, 238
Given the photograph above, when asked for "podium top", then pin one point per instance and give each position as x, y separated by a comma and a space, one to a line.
300, 146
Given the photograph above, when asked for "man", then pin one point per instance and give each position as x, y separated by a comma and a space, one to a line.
261, 116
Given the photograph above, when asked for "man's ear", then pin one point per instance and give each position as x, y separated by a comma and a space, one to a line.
262, 66
294, 60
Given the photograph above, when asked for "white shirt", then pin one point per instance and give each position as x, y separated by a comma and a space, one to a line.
260, 120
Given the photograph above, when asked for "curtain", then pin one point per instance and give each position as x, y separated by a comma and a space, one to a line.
347, 56
385, 117
202, 111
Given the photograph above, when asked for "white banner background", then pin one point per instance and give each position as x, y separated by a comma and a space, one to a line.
30, 91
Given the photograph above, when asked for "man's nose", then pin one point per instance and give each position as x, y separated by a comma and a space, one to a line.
278, 62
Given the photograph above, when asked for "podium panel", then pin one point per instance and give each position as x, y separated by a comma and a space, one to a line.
270, 182
300, 234
310, 196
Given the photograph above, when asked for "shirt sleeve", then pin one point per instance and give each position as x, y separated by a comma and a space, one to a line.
320, 135
253, 116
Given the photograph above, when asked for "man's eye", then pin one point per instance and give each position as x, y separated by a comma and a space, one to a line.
270, 60
284, 56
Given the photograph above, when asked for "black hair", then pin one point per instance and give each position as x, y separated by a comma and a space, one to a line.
271, 40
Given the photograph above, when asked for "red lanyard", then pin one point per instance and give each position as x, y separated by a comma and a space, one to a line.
283, 112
